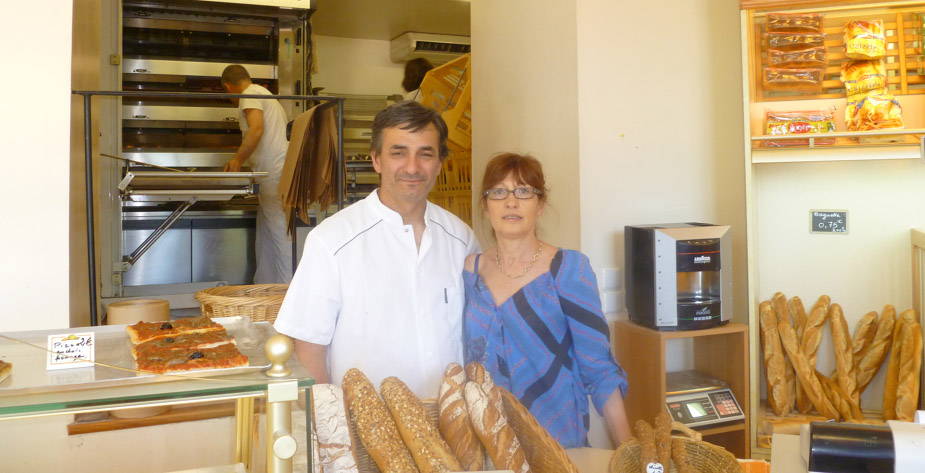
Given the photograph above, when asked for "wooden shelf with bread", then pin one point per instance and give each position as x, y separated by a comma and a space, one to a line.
850, 75
719, 352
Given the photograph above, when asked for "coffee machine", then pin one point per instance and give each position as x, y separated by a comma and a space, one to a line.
679, 275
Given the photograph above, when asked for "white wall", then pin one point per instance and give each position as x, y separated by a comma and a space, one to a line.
356, 66
35, 132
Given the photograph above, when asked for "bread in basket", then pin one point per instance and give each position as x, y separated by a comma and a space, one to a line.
704, 456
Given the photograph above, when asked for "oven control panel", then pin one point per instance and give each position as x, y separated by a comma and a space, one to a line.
704, 408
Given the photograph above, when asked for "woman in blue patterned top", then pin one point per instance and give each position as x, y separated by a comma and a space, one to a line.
533, 313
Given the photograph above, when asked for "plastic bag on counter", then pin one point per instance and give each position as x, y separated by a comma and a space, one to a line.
864, 39
862, 77
793, 80
874, 112
801, 58
799, 122
795, 22
793, 41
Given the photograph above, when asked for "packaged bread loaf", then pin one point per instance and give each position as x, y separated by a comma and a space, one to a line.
430, 452
375, 427
782, 41
892, 372
869, 360
844, 360
806, 374
910, 365
782, 79
773, 354
795, 22
861, 77
802, 122
486, 411
454, 420
799, 59
864, 39
332, 429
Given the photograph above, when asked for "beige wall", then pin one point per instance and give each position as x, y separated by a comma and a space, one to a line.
525, 99
35, 132
356, 66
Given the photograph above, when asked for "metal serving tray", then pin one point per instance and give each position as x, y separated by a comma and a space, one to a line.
27, 352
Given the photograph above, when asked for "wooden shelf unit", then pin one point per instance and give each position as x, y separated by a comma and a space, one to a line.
720, 352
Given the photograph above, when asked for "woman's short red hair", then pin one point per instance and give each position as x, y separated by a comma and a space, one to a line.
523, 167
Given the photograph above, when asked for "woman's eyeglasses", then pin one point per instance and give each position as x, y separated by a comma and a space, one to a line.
500, 193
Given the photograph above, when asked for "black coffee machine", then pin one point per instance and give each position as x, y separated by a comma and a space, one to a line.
679, 275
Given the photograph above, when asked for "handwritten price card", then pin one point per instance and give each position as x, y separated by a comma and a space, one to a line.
828, 221
74, 350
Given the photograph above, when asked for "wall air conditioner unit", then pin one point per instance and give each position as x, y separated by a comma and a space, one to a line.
436, 48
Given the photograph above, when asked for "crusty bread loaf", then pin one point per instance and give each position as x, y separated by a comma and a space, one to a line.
782, 312
864, 333
430, 452
486, 411
663, 437
844, 360
848, 409
332, 429
773, 354
477, 373
374, 425
892, 371
648, 451
807, 375
812, 336
870, 359
454, 420
798, 312
910, 364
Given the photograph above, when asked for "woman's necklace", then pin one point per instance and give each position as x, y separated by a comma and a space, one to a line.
526, 270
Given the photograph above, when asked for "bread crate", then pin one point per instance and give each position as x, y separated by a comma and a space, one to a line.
448, 89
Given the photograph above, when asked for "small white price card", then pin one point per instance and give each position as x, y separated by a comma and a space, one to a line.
73, 350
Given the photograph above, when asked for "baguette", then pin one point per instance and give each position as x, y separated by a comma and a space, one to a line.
871, 358
430, 452
332, 429
375, 427
844, 361
454, 420
812, 336
789, 425
773, 354
682, 461
798, 312
807, 375
648, 453
849, 410
910, 364
892, 371
486, 410
864, 333
783, 315
663, 437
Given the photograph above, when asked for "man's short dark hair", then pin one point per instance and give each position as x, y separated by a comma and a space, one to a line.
235, 74
408, 115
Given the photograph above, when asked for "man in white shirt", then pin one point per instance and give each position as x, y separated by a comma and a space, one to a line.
379, 287
263, 148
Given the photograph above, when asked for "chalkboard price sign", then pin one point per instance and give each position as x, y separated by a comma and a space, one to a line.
828, 221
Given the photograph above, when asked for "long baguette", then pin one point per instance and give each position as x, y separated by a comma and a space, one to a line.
848, 409
864, 333
910, 364
871, 358
807, 375
779, 300
375, 427
798, 312
812, 335
430, 452
844, 361
773, 354
892, 371
487, 413
454, 420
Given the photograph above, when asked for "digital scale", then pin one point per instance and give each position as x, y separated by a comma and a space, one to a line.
697, 400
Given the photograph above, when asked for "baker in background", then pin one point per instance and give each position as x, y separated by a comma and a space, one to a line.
263, 124
380, 284
415, 70
533, 313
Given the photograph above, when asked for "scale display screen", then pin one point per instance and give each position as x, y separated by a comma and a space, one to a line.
696, 409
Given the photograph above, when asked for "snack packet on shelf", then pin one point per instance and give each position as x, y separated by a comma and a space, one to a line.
865, 39
874, 112
795, 22
801, 58
799, 122
793, 41
793, 80
862, 77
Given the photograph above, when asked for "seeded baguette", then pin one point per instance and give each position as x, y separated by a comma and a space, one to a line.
773, 354
681, 460
910, 364
454, 420
648, 449
663, 437
871, 358
892, 372
430, 452
374, 425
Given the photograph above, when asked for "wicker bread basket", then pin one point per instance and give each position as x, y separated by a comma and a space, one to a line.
543, 453
703, 455
260, 302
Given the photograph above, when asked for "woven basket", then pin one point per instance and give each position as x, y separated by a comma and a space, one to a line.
703, 455
260, 302
544, 454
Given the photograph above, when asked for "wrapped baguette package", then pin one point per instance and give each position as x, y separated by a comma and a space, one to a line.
800, 122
